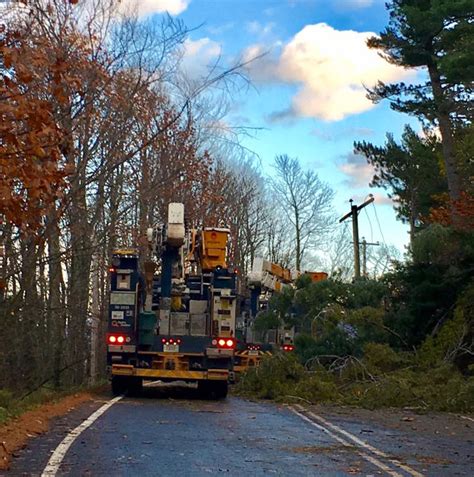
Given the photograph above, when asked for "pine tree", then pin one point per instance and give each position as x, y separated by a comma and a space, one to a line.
409, 171
438, 36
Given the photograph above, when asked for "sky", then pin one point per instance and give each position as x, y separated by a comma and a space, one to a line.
307, 97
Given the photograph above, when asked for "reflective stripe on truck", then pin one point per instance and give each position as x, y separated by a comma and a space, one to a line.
128, 370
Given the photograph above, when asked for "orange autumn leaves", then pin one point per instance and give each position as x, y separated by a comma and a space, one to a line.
464, 208
31, 172
70, 119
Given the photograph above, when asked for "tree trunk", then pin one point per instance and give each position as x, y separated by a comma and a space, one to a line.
79, 284
445, 127
56, 310
95, 320
413, 214
298, 240
27, 355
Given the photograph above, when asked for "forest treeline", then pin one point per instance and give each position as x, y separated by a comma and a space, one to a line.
407, 338
101, 127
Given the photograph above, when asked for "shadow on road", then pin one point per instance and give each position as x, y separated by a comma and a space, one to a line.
174, 390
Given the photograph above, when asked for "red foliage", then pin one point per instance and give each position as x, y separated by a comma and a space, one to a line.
462, 209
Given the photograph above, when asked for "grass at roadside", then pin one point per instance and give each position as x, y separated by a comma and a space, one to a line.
20, 419
13, 405
390, 381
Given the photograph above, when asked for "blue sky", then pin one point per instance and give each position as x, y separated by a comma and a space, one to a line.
307, 95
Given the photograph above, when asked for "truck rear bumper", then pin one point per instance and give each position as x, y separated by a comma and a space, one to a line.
244, 360
210, 374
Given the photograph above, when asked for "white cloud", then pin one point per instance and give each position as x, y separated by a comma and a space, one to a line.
255, 27
359, 175
380, 199
148, 7
263, 64
331, 67
361, 3
203, 45
219, 29
199, 55
334, 135
358, 171
430, 132
342, 5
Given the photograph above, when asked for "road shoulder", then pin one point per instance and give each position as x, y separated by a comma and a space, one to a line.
16, 432
433, 443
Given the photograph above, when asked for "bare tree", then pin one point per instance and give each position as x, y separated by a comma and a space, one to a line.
382, 259
305, 202
278, 244
131, 145
337, 257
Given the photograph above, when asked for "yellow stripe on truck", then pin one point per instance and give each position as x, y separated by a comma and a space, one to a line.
127, 370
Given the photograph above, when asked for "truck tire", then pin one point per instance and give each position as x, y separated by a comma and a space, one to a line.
213, 389
126, 384
119, 385
135, 386
203, 389
220, 389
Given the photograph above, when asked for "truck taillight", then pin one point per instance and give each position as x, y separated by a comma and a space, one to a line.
227, 343
117, 339
288, 348
173, 341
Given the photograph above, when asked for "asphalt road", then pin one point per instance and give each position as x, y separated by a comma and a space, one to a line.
169, 432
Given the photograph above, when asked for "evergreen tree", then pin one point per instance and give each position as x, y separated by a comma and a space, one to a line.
437, 35
410, 171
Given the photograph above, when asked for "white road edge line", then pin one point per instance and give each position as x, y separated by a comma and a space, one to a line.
362, 443
345, 443
58, 455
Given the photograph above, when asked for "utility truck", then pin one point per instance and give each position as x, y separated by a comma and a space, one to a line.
173, 318
263, 281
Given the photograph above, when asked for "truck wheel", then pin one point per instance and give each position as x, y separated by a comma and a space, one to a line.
119, 385
203, 389
135, 386
213, 389
220, 389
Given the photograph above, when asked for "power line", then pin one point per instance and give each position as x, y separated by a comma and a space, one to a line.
380, 228
370, 225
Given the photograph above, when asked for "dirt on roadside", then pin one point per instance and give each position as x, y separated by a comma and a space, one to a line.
15, 433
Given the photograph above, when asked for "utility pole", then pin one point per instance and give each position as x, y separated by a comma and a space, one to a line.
364, 255
354, 213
